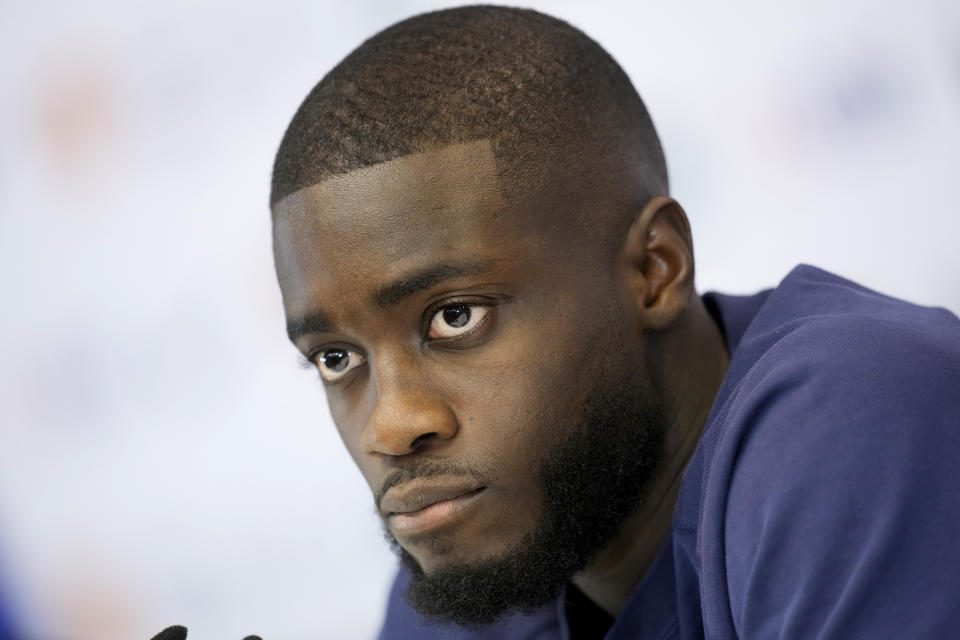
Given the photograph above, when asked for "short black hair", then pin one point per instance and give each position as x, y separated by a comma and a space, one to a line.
521, 79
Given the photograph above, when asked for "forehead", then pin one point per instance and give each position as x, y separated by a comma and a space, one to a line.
367, 226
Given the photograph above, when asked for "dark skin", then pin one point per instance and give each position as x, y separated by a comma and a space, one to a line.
379, 268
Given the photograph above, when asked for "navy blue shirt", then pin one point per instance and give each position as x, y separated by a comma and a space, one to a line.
823, 499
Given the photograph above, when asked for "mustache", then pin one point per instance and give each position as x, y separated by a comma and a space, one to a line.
424, 469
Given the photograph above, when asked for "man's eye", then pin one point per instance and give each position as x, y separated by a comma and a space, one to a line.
456, 320
333, 364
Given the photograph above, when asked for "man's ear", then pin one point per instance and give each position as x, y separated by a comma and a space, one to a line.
658, 258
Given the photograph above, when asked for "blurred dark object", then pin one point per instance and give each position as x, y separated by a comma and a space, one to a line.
177, 632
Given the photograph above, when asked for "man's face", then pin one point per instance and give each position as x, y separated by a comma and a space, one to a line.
463, 339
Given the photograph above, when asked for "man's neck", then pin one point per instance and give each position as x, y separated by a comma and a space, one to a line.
693, 373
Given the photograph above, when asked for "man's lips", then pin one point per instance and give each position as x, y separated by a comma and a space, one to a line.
423, 504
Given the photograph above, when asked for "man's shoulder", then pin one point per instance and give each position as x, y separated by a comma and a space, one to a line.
826, 358
848, 390
829, 456
835, 392
817, 328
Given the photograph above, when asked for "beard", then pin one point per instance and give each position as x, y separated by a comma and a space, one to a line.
591, 483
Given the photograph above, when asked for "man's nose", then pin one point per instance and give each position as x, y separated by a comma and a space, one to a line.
407, 417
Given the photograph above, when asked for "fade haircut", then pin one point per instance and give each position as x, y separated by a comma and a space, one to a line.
529, 83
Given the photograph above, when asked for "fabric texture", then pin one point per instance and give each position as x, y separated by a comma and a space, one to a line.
822, 501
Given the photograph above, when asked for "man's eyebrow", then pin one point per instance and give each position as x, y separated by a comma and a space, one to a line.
388, 295
393, 293
316, 322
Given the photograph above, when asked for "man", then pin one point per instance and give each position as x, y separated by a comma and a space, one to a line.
477, 250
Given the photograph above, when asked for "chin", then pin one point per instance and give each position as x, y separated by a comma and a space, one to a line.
437, 553
474, 589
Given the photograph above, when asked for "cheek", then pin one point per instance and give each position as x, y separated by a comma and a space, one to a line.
350, 436
524, 397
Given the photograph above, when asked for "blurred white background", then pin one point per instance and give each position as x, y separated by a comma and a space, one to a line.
162, 457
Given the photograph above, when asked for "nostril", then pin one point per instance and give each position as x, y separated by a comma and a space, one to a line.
422, 439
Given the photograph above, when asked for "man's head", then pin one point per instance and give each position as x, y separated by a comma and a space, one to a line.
475, 248
531, 85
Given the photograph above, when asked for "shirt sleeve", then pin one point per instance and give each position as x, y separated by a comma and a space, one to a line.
843, 518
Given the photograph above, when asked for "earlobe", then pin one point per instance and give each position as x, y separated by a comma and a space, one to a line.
658, 256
